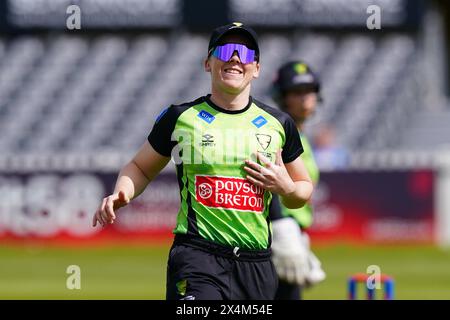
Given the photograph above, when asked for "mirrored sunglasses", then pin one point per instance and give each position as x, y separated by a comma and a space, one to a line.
226, 51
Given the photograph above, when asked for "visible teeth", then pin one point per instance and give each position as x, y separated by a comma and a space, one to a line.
232, 71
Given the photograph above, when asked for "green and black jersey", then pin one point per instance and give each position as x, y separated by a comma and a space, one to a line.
209, 146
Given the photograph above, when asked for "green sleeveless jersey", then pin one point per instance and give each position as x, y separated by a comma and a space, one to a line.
304, 215
209, 146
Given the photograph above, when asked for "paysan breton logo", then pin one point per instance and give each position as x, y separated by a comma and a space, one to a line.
229, 193
204, 115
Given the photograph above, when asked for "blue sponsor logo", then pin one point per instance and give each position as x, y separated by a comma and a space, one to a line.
208, 117
259, 121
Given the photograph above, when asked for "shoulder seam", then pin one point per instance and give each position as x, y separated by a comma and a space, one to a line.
191, 103
179, 109
274, 112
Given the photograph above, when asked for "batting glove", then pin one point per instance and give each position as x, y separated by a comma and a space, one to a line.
289, 255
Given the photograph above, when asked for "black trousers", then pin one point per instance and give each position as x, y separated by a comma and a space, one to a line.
288, 291
206, 273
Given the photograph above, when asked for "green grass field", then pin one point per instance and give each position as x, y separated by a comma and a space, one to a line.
138, 272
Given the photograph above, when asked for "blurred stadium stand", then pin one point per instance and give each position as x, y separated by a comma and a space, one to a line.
72, 93
69, 93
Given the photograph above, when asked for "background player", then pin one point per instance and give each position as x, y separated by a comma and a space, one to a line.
296, 90
220, 251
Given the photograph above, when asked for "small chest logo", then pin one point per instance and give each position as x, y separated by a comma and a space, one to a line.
207, 140
204, 115
263, 140
204, 190
259, 121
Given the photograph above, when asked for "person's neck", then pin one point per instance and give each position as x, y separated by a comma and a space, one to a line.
230, 102
299, 125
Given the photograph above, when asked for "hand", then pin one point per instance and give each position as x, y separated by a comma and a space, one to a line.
105, 214
289, 253
271, 176
316, 274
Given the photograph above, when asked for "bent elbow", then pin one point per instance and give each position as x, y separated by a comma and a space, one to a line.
304, 195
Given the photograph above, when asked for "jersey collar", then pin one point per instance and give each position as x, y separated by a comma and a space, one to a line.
216, 107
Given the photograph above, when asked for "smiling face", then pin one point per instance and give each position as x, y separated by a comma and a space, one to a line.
232, 77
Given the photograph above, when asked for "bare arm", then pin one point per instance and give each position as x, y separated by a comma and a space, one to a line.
131, 182
140, 171
303, 185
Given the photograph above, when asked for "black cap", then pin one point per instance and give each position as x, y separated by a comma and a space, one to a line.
294, 74
233, 27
